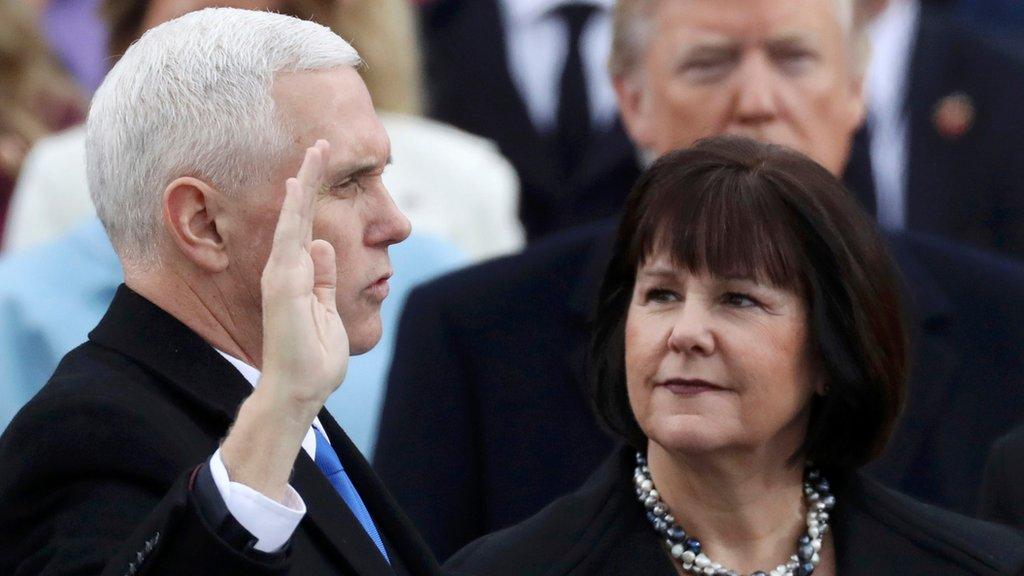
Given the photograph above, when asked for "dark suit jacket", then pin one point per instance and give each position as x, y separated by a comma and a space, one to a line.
470, 86
601, 530
98, 469
486, 417
967, 188
1002, 491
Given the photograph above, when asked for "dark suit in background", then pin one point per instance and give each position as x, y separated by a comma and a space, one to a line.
967, 187
91, 498
601, 530
1002, 491
487, 419
470, 86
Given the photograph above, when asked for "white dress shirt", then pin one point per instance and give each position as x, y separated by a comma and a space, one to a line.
270, 522
892, 41
537, 41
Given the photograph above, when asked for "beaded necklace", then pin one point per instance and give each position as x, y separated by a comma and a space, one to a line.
686, 550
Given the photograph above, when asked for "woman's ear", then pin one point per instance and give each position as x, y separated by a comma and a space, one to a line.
191, 209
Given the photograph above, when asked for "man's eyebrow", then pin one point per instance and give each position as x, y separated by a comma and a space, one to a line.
790, 40
711, 47
364, 168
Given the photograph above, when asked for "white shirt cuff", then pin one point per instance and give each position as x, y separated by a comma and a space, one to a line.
272, 523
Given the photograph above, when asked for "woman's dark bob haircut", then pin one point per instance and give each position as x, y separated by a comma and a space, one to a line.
732, 207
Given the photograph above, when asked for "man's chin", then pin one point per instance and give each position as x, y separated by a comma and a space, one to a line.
363, 340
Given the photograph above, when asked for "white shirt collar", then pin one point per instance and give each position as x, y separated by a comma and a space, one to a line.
527, 11
892, 35
252, 376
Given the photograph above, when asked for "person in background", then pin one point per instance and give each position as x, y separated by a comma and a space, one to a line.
76, 35
454, 186
749, 350
941, 152
530, 75
36, 96
1002, 490
486, 418
188, 435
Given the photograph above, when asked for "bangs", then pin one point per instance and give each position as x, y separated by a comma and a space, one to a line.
733, 224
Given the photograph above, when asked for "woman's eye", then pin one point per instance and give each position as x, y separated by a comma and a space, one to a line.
660, 295
740, 300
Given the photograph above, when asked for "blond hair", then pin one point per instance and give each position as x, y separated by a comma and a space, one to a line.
383, 31
33, 86
632, 22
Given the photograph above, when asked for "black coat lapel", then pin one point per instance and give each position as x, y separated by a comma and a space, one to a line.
930, 186
858, 178
396, 528
606, 151
136, 327
328, 514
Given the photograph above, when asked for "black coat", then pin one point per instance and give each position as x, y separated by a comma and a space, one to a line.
601, 530
97, 470
970, 187
486, 417
1002, 491
470, 86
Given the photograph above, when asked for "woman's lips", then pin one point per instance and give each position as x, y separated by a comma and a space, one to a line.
686, 387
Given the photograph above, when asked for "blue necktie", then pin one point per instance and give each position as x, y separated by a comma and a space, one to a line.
328, 462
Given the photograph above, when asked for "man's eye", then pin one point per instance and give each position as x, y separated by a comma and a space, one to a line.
740, 300
345, 187
796, 60
660, 295
706, 70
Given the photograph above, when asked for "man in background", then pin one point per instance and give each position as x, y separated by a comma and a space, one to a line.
530, 75
487, 418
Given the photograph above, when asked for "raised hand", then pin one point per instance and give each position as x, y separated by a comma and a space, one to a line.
305, 346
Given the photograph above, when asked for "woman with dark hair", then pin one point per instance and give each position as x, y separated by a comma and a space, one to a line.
750, 351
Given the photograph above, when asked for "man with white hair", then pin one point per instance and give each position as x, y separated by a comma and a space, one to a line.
490, 360
250, 261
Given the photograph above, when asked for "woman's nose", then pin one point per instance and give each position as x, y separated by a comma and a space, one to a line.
691, 333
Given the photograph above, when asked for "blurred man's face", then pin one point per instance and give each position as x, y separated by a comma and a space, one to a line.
775, 70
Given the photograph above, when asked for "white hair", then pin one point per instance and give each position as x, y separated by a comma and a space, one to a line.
193, 98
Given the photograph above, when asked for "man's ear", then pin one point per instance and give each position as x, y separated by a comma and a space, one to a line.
191, 208
857, 101
634, 109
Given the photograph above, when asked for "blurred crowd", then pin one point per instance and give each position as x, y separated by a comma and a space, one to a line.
518, 128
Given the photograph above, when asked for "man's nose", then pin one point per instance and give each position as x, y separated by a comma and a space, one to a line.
691, 333
756, 101
392, 226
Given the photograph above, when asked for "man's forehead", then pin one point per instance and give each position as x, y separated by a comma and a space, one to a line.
334, 105
732, 21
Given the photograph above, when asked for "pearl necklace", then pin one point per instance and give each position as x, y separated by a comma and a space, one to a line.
686, 550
